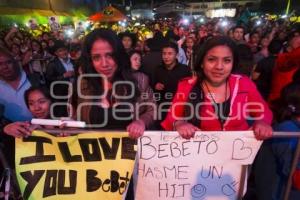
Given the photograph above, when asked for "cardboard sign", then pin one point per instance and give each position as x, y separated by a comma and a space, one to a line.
85, 166
209, 166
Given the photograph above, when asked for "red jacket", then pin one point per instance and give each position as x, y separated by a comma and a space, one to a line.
245, 101
286, 66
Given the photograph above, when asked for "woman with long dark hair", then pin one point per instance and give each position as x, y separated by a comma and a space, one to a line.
217, 100
110, 95
135, 60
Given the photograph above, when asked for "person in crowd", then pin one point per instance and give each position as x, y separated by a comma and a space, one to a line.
286, 66
61, 68
253, 43
13, 83
75, 51
193, 34
16, 51
37, 49
181, 32
60, 35
261, 75
292, 41
263, 46
51, 44
189, 50
173, 33
274, 161
281, 36
128, 40
114, 90
153, 58
202, 35
230, 33
38, 100
38, 61
178, 36
221, 92
45, 36
246, 62
140, 46
104, 55
169, 74
45, 46
11, 38
135, 60
238, 35
181, 56
54, 25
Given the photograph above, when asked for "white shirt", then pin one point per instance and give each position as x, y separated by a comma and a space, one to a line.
67, 65
181, 57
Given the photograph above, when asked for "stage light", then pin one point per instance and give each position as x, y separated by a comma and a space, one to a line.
123, 24
224, 23
69, 32
185, 21
258, 22
86, 25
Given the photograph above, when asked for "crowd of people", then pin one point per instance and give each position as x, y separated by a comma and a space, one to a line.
185, 78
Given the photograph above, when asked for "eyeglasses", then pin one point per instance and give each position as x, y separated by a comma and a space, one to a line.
8, 62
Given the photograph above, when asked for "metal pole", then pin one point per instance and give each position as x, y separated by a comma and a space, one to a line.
293, 168
286, 134
77, 131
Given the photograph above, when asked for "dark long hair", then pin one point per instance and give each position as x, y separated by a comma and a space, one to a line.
131, 53
208, 45
38, 43
123, 72
200, 54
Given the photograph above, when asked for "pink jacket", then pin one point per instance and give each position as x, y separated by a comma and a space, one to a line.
246, 102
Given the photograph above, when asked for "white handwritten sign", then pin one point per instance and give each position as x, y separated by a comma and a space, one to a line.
209, 166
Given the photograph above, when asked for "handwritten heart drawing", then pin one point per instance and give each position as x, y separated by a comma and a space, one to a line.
239, 151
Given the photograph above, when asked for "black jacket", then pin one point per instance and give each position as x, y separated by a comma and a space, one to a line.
55, 71
170, 79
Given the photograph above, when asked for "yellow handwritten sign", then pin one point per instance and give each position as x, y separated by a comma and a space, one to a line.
86, 166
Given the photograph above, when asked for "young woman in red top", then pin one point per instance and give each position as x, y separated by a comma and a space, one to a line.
215, 99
